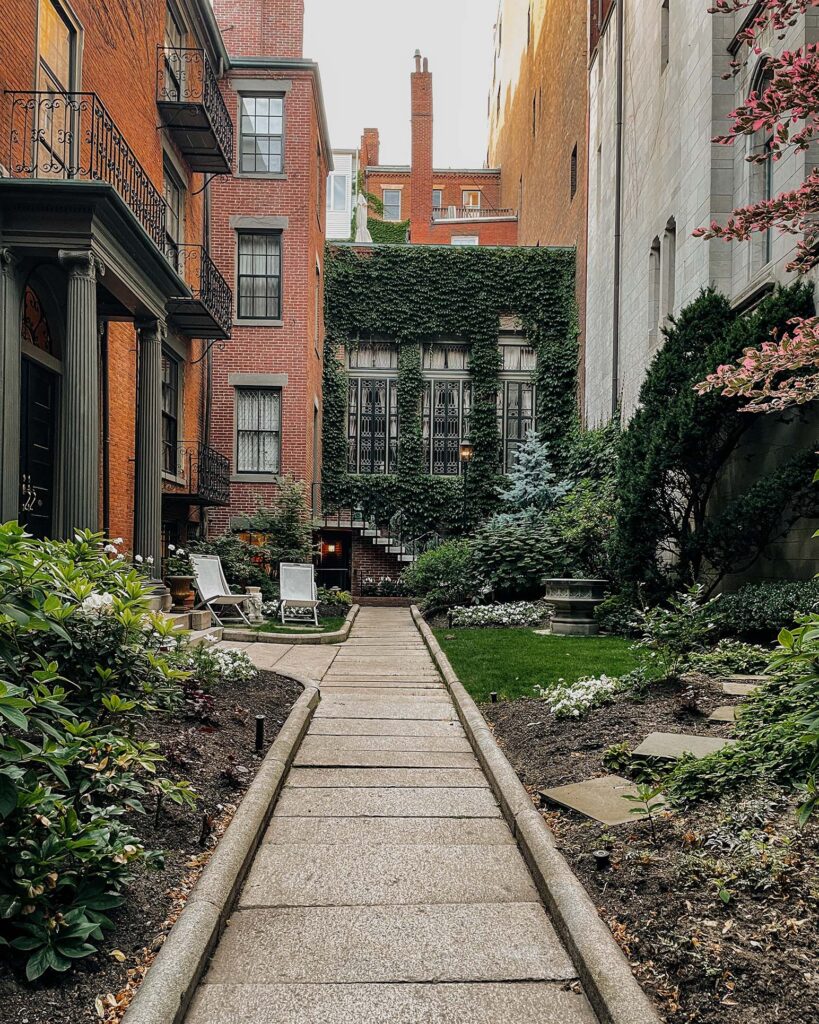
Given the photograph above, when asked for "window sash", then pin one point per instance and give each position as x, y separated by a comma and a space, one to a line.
170, 414
517, 408
337, 192
259, 276
372, 425
258, 430
392, 204
445, 412
261, 134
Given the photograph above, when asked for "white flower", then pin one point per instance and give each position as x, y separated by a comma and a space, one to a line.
172, 547
181, 551
118, 541
149, 560
138, 558
110, 549
96, 603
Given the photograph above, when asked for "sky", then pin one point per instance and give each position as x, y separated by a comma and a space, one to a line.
365, 49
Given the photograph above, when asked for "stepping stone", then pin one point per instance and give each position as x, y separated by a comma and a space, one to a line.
487, 942
482, 1003
476, 802
672, 745
384, 759
724, 713
393, 831
600, 799
735, 689
382, 875
401, 778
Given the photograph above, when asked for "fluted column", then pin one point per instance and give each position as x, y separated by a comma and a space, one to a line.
10, 335
148, 511
80, 399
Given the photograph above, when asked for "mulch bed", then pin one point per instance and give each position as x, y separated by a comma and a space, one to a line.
219, 759
719, 921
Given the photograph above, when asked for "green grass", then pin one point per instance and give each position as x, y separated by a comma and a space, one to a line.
512, 661
326, 625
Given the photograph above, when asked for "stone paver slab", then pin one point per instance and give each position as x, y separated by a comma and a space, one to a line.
395, 831
235, 645
267, 655
377, 802
739, 689
724, 713
485, 942
384, 759
600, 799
384, 727
316, 745
671, 745
414, 710
382, 875
315, 660
486, 1003
395, 690
383, 778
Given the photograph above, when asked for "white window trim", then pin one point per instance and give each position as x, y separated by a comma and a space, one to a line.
384, 190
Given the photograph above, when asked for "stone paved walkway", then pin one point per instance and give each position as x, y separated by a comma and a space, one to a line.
388, 889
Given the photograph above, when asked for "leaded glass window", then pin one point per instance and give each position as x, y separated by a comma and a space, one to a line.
516, 417
258, 430
372, 425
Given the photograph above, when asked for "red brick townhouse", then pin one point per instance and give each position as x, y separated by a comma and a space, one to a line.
112, 128
267, 230
444, 206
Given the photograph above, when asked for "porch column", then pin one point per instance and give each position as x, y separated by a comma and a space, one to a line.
10, 337
148, 497
80, 417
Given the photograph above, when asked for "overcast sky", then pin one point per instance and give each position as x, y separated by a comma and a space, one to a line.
364, 49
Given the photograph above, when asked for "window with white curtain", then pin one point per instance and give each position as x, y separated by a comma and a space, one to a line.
258, 430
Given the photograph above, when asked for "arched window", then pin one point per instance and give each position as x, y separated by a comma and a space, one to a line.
669, 262
653, 292
35, 328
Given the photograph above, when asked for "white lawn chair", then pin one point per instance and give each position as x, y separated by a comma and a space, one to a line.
297, 589
212, 586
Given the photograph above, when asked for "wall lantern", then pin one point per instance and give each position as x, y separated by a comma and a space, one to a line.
466, 451
332, 549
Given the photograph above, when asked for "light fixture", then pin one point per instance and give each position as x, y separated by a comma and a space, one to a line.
466, 451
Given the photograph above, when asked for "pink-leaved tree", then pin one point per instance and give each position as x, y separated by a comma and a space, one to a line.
784, 371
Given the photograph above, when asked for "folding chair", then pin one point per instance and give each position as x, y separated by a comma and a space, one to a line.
297, 589
212, 586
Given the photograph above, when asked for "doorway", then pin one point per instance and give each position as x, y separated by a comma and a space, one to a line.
37, 448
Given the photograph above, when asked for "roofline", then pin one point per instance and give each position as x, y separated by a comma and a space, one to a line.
406, 169
205, 10
295, 64
443, 245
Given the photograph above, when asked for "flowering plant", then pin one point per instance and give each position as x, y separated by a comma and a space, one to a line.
575, 700
514, 613
178, 562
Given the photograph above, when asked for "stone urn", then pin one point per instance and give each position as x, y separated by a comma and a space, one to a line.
181, 592
574, 602
253, 605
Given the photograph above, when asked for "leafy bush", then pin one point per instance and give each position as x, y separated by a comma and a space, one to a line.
84, 662
583, 520
285, 524
521, 613
617, 615
760, 609
443, 576
333, 602
209, 665
730, 656
670, 634
514, 553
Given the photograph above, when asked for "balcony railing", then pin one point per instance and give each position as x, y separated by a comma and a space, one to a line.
72, 136
193, 109
209, 311
471, 213
206, 475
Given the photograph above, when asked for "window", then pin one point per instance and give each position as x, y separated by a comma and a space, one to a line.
170, 414
57, 45
261, 142
669, 268
654, 272
392, 204
372, 425
374, 355
437, 203
665, 34
471, 197
338, 192
259, 276
174, 193
317, 309
258, 430
465, 240
518, 359
55, 130
516, 417
534, 114
172, 85
573, 173
446, 405
442, 356
761, 171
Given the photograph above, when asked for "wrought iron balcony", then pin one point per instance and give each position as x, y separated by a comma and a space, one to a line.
68, 136
205, 474
193, 110
208, 312
472, 213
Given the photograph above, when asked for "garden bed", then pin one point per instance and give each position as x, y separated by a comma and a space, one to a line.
220, 761
719, 922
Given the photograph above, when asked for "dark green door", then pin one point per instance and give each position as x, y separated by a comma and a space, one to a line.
37, 439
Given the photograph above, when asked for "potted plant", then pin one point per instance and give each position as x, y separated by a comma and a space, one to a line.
179, 575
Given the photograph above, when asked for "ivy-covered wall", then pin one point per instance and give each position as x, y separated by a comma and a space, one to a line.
414, 294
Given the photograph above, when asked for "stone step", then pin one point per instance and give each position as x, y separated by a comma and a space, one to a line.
392, 831
600, 799
724, 713
671, 745
739, 689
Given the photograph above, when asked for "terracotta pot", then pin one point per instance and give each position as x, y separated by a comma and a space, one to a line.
181, 591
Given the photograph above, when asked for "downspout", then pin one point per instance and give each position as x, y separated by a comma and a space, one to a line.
618, 231
106, 431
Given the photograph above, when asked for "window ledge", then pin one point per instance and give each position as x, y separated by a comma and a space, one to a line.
254, 478
171, 478
269, 175
258, 323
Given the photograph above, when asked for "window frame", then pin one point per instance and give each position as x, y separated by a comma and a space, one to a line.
171, 467
252, 319
517, 378
331, 180
262, 94
256, 474
384, 191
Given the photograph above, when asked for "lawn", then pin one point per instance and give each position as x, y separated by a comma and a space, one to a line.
326, 625
512, 661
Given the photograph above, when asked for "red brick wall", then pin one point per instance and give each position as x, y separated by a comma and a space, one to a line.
370, 150
420, 202
368, 559
262, 28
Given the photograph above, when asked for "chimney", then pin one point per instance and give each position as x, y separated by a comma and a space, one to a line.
261, 28
421, 172
370, 144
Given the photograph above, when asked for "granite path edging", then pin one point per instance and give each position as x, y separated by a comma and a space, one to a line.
252, 636
612, 989
169, 985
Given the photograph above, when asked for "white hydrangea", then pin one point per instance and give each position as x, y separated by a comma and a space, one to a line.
97, 604
575, 700
515, 613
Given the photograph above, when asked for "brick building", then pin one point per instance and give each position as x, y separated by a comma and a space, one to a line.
442, 206
110, 125
267, 225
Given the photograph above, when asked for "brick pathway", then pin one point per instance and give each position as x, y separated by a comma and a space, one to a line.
388, 889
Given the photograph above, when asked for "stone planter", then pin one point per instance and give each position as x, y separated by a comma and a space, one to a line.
181, 592
574, 603
253, 605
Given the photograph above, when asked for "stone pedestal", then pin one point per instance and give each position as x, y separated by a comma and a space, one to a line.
574, 602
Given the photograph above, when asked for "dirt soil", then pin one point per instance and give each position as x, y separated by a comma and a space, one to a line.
719, 918
219, 759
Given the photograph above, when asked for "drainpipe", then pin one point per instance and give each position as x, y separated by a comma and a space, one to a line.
618, 231
106, 431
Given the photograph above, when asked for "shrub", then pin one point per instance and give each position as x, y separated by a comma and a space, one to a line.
583, 520
575, 700
730, 656
383, 586
618, 616
209, 665
531, 484
443, 576
244, 564
521, 613
333, 602
286, 524
670, 634
514, 553
84, 662
760, 609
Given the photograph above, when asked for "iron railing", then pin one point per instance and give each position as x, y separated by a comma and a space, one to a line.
470, 212
201, 275
72, 136
392, 531
184, 75
206, 474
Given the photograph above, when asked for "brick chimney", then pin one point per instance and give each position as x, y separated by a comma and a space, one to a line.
261, 28
421, 173
369, 155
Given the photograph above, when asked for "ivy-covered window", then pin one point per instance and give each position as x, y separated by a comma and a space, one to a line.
446, 404
516, 417
372, 408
